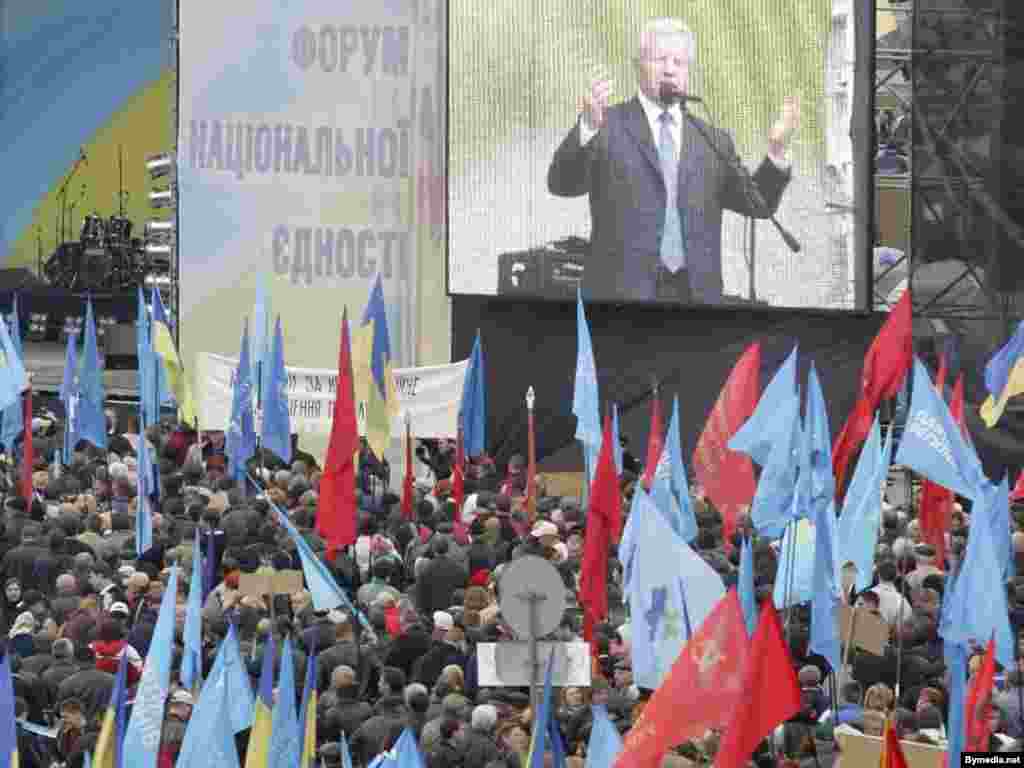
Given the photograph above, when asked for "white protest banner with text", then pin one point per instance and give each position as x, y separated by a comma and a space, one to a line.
430, 395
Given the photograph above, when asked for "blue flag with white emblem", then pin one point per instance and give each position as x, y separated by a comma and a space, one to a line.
932, 443
670, 490
240, 441
91, 419
276, 429
585, 403
671, 591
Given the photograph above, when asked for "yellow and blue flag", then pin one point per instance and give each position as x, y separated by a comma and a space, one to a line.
1004, 377
172, 371
107, 753
374, 374
142, 737
8, 729
258, 754
285, 740
165, 392
307, 722
149, 381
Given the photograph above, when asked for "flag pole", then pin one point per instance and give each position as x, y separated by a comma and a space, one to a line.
531, 472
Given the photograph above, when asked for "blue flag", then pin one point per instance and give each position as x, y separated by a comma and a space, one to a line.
473, 409
586, 405
276, 429
8, 729
231, 667
971, 618
670, 491
605, 743
346, 753
166, 397
13, 418
92, 420
323, 589
69, 396
240, 441
147, 491
794, 578
630, 531
933, 445
862, 508
748, 598
538, 740
759, 435
260, 330
192, 655
616, 441
956, 660
13, 379
671, 591
284, 731
142, 737
207, 742
818, 483
824, 638
771, 437
1001, 530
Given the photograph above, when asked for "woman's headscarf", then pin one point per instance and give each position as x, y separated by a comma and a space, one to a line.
25, 624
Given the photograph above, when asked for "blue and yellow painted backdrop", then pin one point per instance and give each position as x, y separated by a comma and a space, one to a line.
73, 74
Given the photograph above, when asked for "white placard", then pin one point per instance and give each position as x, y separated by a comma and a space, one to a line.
509, 665
430, 395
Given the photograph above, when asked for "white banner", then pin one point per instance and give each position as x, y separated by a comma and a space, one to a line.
430, 395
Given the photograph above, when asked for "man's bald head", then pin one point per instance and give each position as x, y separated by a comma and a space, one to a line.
343, 677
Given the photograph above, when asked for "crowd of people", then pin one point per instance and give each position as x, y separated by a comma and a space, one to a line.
76, 597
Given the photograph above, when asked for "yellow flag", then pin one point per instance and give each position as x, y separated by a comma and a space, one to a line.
163, 345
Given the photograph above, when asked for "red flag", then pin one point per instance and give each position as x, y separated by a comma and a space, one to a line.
28, 455
979, 703
771, 693
604, 525
936, 509
892, 752
655, 442
336, 516
407, 482
1018, 490
459, 486
727, 477
701, 691
885, 366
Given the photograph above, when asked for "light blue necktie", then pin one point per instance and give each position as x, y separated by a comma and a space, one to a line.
673, 251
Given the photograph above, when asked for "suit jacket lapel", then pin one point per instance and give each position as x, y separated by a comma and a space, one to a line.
640, 130
692, 153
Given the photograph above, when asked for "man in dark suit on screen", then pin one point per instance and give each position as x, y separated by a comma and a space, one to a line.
653, 241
